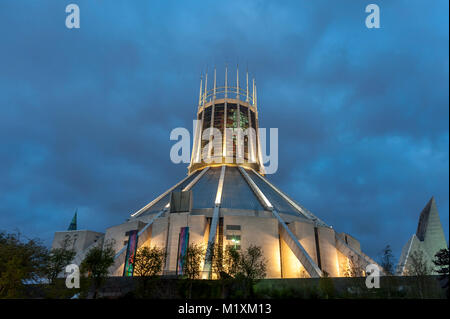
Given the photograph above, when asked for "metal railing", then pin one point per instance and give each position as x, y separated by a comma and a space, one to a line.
227, 92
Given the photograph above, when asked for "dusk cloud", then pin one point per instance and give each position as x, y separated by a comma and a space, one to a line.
85, 115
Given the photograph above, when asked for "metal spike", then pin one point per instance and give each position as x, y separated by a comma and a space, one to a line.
256, 97
246, 100
237, 82
206, 87
226, 81
200, 94
253, 92
214, 96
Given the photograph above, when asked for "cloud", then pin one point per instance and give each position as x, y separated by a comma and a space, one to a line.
86, 114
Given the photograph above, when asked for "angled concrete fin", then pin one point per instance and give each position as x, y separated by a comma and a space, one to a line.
214, 223
302, 210
412, 245
298, 250
285, 233
350, 252
210, 246
80, 256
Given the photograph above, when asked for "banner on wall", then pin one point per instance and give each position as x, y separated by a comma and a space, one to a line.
183, 241
128, 269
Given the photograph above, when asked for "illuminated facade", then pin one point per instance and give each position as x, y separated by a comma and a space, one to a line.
226, 199
227, 115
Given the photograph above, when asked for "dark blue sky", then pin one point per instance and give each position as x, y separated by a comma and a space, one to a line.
85, 115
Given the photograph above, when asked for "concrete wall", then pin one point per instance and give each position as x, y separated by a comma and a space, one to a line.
434, 235
159, 232
328, 252
78, 240
261, 232
343, 263
351, 241
304, 231
197, 226
116, 235
291, 267
254, 230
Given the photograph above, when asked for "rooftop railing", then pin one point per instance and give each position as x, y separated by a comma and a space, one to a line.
227, 92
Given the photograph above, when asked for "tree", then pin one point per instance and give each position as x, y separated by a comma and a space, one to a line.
232, 261
225, 263
417, 266
252, 266
21, 262
441, 262
192, 261
217, 261
387, 261
148, 261
96, 263
191, 266
353, 268
58, 259
252, 263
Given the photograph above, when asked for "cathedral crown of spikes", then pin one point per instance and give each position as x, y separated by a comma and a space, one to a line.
227, 200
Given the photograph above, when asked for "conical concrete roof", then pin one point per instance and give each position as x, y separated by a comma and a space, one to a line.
237, 194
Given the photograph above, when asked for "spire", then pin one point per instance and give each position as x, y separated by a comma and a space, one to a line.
256, 96
206, 86
214, 96
428, 239
253, 91
226, 81
73, 223
430, 228
246, 100
200, 94
237, 82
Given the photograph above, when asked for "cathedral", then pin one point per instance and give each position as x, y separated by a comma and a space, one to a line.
227, 199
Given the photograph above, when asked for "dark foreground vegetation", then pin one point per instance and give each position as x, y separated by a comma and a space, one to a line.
29, 270
301, 288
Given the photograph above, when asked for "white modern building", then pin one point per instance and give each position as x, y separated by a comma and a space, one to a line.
227, 199
425, 243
